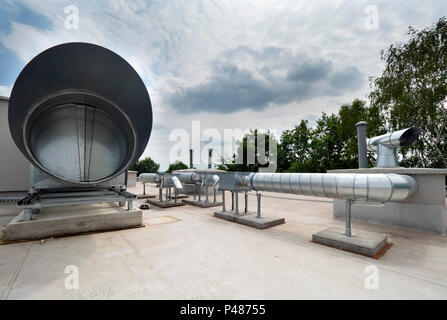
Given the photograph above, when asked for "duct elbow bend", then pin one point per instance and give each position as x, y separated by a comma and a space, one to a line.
403, 186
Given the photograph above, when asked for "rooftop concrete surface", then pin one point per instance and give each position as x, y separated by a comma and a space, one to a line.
186, 253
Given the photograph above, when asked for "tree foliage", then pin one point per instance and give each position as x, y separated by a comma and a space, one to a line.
177, 165
249, 155
412, 90
146, 165
332, 144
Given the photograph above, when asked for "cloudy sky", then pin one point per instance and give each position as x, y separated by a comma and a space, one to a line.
228, 64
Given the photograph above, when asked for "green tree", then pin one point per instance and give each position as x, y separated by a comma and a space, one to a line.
249, 156
177, 165
412, 90
332, 144
146, 165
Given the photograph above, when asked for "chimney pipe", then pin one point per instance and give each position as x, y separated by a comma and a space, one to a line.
190, 159
210, 156
361, 137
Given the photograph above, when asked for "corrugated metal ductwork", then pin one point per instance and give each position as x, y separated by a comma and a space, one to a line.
80, 113
358, 187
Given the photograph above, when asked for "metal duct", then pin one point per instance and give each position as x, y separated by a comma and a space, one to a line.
80, 113
386, 145
359, 187
361, 140
149, 177
191, 151
210, 180
210, 158
188, 177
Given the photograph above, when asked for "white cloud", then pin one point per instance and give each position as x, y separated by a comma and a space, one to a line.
175, 45
5, 91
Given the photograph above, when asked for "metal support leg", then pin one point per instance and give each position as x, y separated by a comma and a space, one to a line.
214, 191
166, 194
169, 193
236, 203
199, 191
348, 218
232, 200
160, 194
206, 195
175, 194
27, 213
144, 188
195, 191
129, 205
246, 202
223, 201
258, 202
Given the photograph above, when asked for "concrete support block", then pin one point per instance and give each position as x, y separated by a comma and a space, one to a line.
202, 204
364, 243
145, 196
66, 221
165, 204
249, 219
260, 223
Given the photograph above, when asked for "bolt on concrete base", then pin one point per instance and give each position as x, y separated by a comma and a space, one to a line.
364, 243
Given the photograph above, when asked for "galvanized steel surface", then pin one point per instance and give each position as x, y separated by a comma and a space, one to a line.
80, 113
360, 187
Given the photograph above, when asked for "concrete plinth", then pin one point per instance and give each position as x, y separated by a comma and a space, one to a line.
364, 243
65, 221
145, 196
226, 215
202, 204
260, 223
249, 219
165, 204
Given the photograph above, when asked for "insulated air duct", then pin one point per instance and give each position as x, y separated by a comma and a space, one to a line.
80, 113
386, 145
358, 187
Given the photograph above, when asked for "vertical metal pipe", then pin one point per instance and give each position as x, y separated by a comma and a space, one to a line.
232, 200
223, 201
210, 157
166, 194
236, 203
348, 217
160, 194
129, 205
190, 159
169, 194
126, 177
258, 203
214, 191
361, 138
200, 190
195, 191
144, 188
175, 194
246, 202
206, 194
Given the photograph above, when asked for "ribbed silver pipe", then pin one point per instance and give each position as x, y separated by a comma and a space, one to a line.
378, 187
210, 180
149, 177
188, 177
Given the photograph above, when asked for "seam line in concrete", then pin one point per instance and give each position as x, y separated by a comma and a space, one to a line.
17, 272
